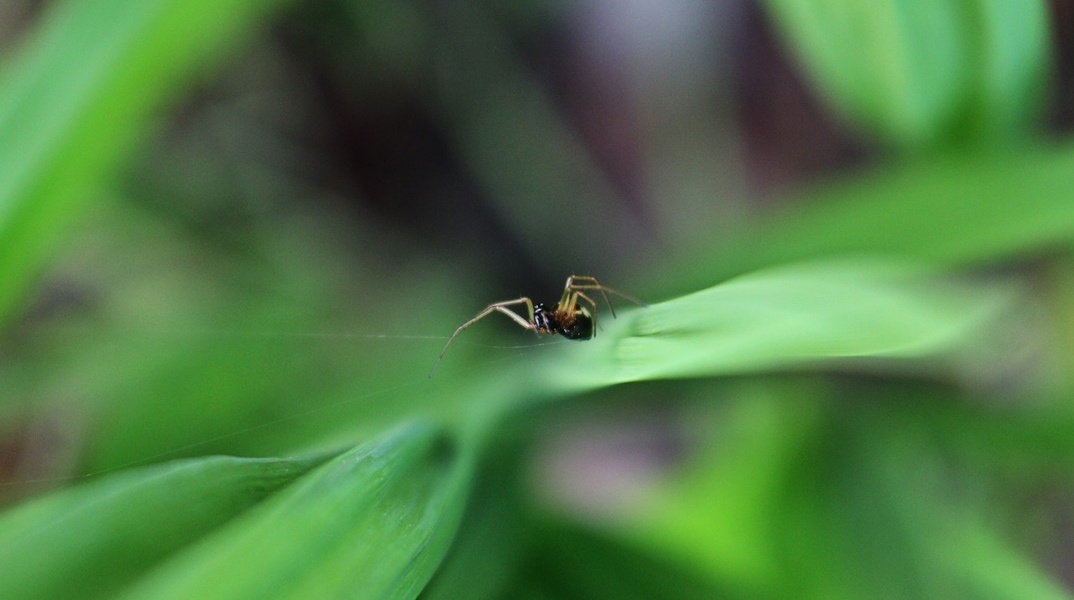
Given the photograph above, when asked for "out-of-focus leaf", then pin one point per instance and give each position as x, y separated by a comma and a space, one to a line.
994, 568
76, 99
543, 179
969, 210
919, 72
1021, 442
89, 541
873, 508
493, 537
572, 561
861, 503
716, 516
485, 557
1010, 65
372, 523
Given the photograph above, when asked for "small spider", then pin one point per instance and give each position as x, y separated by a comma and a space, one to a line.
567, 318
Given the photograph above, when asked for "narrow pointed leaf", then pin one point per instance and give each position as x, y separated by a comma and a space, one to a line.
372, 523
949, 211
843, 312
88, 541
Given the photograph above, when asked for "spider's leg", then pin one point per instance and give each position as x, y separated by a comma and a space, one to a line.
579, 295
590, 283
500, 307
564, 300
623, 295
588, 279
605, 290
569, 298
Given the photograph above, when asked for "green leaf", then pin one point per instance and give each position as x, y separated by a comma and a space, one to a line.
1010, 64
532, 186
715, 515
372, 523
917, 72
575, 561
967, 210
494, 534
88, 541
806, 314
994, 568
861, 501
78, 97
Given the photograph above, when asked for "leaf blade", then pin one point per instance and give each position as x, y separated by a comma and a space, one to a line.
372, 523
90, 540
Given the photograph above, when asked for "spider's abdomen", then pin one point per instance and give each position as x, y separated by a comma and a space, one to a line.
580, 327
573, 326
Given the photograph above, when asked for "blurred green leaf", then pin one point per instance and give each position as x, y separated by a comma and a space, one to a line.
919, 72
952, 211
494, 536
884, 513
1011, 65
994, 568
572, 561
198, 353
89, 541
857, 499
715, 516
1016, 441
77, 98
538, 175
372, 523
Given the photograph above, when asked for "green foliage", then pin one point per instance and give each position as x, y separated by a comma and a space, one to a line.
75, 101
374, 522
966, 210
97, 537
897, 461
808, 502
808, 312
924, 73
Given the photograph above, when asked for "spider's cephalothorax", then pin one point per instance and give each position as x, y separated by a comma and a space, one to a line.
573, 326
567, 318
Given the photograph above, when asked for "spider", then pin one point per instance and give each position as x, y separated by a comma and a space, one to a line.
568, 318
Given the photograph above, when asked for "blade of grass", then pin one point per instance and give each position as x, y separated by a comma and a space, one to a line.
77, 98
89, 541
493, 536
805, 314
372, 523
949, 211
